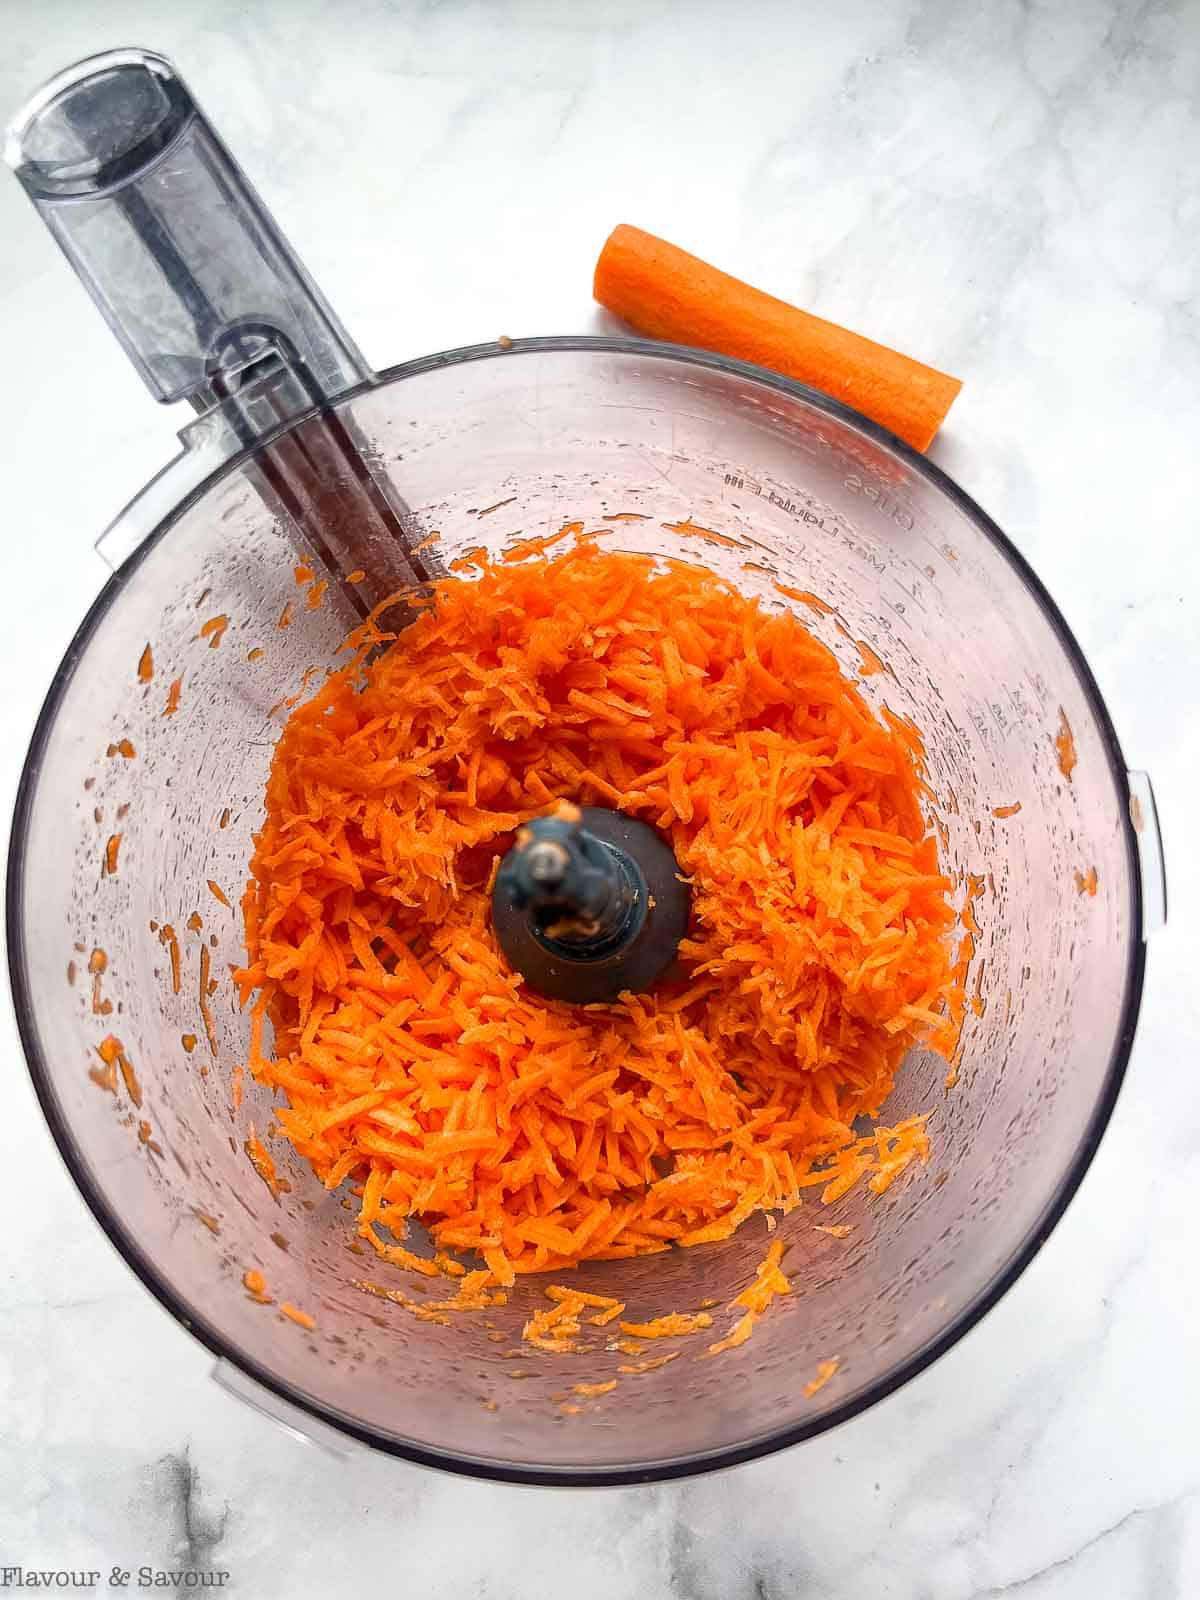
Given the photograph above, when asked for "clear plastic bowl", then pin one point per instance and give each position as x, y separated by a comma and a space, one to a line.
485, 444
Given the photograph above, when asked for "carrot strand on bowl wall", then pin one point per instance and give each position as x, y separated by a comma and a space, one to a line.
668, 294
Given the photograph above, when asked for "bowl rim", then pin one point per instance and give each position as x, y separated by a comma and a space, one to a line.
194, 1321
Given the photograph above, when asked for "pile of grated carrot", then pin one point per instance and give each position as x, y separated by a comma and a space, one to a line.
416, 1065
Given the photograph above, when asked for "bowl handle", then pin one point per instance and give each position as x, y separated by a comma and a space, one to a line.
1143, 813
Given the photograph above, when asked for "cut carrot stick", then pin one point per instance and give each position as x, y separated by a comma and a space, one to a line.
667, 293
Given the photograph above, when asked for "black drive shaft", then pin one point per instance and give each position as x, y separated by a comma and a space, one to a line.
589, 904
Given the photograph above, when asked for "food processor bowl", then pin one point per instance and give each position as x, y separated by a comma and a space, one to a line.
144, 787
653, 449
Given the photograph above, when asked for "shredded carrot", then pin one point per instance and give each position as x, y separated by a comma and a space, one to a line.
132, 1087
652, 1363
825, 1371
397, 1297
254, 1282
1087, 882
316, 595
302, 1318
206, 1015
110, 1050
112, 852
540, 1135
217, 892
558, 1292
667, 293
592, 1391
146, 665
124, 748
688, 529
168, 938
173, 694
1064, 746
768, 1282
754, 1299
214, 630
1007, 811
396, 1255
303, 573
97, 966
356, 576
807, 598
871, 663
675, 1322
741, 1331
262, 1163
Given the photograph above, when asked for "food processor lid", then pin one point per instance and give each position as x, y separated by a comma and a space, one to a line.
212, 305
167, 234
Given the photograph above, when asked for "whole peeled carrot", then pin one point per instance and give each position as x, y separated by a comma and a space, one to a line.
666, 293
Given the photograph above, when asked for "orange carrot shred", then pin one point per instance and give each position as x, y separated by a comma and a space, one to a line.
651, 1364
168, 937
205, 1009
301, 1318
146, 665
825, 1371
1064, 745
214, 630
806, 598
741, 1331
111, 853
1007, 811
261, 1161
173, 693
1087, 882
675, 1322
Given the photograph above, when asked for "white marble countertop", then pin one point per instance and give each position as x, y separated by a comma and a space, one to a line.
1007, 190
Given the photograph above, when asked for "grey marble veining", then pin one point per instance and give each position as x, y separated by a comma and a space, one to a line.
1006, 190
